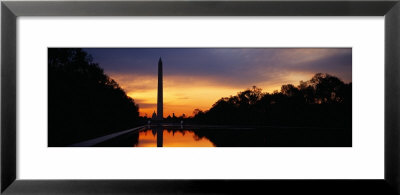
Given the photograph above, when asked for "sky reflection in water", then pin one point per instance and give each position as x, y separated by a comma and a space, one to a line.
215, 136
182, 138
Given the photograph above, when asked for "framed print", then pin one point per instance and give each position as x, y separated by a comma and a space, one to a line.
189, 84
166, 99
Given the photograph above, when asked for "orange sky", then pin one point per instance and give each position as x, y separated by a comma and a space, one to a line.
198, 77
184, 94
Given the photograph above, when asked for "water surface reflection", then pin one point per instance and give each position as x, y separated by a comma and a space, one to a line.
171, 138
226, 136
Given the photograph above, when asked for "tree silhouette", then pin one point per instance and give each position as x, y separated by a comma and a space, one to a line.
83, 101
324, 100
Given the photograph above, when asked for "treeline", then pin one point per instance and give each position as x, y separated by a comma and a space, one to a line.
324, 101
83, 101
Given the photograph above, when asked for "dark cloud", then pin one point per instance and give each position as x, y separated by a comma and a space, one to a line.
226, 66
146, 105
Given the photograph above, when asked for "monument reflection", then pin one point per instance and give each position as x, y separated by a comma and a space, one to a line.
159, 137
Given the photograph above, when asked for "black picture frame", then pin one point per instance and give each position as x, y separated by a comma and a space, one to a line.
10, 10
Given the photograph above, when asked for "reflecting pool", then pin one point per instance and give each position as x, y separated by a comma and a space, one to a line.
170, 138
225, 136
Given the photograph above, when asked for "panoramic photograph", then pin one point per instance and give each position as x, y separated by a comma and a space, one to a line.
199, 97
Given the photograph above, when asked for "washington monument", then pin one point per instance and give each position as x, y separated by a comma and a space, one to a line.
160, 92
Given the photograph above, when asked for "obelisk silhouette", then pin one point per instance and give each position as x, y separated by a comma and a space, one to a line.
160, 92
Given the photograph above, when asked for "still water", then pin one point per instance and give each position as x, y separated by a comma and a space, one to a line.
171, 138
225, 136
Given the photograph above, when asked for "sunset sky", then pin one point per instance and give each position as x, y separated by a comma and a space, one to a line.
198, 77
